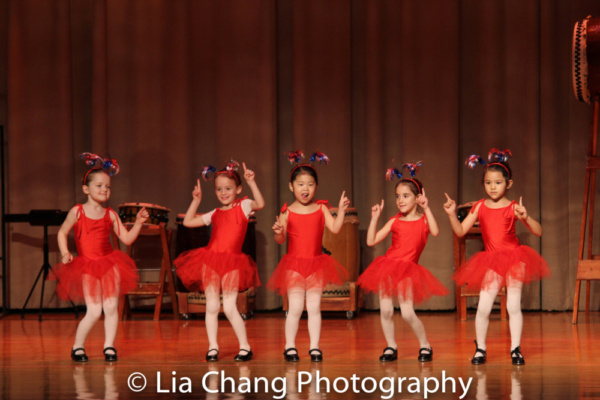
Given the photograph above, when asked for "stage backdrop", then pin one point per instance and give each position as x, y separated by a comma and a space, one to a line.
167, 87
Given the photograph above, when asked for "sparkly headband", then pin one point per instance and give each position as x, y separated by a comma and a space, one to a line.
229, 170
393, 172
297, 155
98, 163
495, 157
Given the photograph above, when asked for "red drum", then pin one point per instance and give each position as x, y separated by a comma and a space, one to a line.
586, 59
158, 214
345, 246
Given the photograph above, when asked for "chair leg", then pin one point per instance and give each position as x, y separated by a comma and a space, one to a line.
463, 308
576, 300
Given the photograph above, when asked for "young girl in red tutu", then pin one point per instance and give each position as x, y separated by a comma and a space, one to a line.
504, 261
99, 274
304, 270
397, 274
221, 264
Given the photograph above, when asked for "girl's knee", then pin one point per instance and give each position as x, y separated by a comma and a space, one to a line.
513, 309
110, 306
230, 310
386, 311
408, 316
213, 307
93, 313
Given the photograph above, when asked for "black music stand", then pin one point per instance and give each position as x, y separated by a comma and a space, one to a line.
45, 218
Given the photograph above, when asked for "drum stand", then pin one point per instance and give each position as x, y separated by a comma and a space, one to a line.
588, 269
46, 267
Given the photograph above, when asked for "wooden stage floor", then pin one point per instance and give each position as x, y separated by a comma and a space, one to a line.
563, 360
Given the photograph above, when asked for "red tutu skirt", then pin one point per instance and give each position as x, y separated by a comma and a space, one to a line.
306, 273
112, 275
394, 277
521, 264
200, 268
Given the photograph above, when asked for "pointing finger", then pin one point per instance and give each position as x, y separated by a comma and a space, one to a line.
244, 165
521, 201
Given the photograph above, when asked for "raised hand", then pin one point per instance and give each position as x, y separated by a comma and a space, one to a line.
344, 202
248, 173
422, 200
277, 227
142, 216
520, 210
197, 192
376, 210
449, 205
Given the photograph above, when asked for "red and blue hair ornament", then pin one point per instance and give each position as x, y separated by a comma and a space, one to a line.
229, 170
99, 163
495, 157
296, 157
412, 168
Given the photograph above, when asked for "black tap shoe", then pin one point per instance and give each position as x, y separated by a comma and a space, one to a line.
389, 357
517, 357
317, 356
425, 354
212, 357
110, 357
291, 357
79, 357
480, 360
244, 357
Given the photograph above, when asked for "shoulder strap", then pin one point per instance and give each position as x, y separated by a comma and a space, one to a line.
325, 202
476, 206
238, 202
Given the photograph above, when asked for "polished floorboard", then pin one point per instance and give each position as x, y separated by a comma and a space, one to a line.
562, 360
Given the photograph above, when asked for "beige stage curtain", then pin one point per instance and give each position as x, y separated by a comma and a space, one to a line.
167, 87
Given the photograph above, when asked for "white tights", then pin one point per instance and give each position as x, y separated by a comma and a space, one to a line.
95, 307
386, 307
513, 307
213, 304
295, 308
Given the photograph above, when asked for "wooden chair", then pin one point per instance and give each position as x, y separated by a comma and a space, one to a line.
462, 292
154, 289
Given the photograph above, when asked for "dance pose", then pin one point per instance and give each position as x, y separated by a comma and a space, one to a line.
304, 270
397, 274
221, 264
505, 261
99, 274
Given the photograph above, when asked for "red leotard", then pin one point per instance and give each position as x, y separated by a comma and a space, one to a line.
305, 266
503, 253
398, 272
211, 265
96, 260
